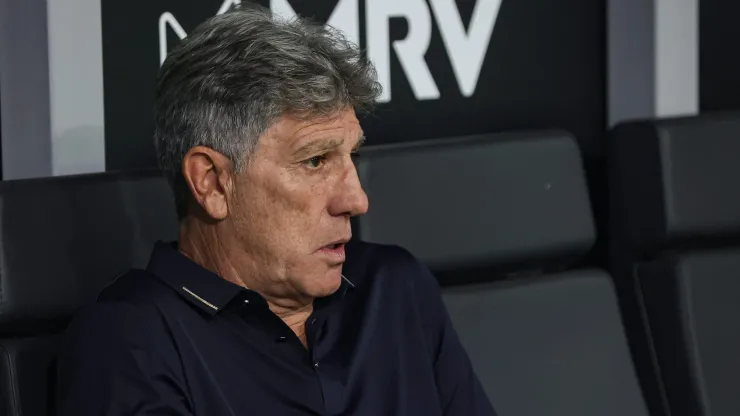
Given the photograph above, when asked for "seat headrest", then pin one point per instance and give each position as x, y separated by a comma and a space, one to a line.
673, 181
494, 199
63, 239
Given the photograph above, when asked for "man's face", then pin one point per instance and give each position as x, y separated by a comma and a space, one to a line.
292, 204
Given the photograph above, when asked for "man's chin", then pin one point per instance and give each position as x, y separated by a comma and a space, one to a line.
328, 283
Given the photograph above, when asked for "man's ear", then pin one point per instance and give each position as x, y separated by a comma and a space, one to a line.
208, 175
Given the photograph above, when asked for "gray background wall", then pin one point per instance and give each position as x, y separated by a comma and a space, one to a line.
51, 88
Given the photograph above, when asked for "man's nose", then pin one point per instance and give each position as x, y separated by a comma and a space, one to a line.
350, 199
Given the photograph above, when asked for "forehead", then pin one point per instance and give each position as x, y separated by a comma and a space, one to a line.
293, 131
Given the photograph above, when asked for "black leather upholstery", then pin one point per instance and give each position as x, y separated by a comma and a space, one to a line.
485, 200
542, 345
61, 241
674, 231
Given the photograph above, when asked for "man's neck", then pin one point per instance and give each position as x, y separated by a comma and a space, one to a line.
201, 244
295, 319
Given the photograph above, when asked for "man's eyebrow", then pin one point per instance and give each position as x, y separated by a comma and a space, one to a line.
317, 146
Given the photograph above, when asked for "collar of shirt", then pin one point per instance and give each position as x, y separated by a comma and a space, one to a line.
208, 291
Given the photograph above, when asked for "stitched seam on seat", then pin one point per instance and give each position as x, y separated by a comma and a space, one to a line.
691, 333
651, 343
13, 386
2, 303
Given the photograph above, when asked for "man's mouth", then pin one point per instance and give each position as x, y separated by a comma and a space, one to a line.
335, 251
338, 243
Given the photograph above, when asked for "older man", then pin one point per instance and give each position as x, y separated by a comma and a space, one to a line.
265, 307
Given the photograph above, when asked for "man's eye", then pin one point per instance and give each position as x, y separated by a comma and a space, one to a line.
315, 162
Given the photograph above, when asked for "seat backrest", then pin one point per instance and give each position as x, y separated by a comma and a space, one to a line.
550, 346
543, 344
672, 183
61, 241
489, 200
674, 243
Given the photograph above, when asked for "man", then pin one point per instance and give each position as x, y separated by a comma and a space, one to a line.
264, 306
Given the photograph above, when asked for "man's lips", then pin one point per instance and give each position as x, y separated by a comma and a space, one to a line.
335, 250
336, 243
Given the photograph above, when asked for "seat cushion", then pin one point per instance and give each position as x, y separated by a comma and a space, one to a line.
27, 376
549, 346
692, 306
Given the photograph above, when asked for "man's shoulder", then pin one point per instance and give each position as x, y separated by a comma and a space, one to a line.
133, 299
125, 331
136, 287
362, 255
373, 261
405, 285
128, 310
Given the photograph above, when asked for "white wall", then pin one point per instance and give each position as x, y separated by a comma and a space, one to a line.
76, 86
677, 57
51, 72
652, 58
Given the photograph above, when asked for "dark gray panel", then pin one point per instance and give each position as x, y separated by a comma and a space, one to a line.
479, 200
675, 180
552, 347
542, 69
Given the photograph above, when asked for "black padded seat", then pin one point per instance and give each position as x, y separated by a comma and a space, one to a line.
61, 241
674, 239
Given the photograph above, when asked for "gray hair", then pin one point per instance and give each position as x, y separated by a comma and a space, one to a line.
237, 73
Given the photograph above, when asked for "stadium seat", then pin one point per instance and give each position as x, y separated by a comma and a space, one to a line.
61, 241
675, 253
507, 200
545, 339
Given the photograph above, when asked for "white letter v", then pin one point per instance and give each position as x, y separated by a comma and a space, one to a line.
466, 50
